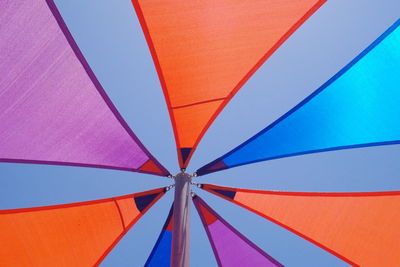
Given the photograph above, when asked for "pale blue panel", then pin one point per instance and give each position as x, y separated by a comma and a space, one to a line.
359, 106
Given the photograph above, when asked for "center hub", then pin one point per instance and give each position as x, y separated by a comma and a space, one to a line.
183, 177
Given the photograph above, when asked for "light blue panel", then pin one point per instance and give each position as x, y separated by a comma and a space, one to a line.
359, 106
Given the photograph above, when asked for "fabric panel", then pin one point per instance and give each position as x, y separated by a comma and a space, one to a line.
161, 254
205, 51
77, 234
128, 210
360, 228
230, 247
53, 109
357, 107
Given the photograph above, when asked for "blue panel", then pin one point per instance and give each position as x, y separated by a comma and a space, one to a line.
359, 106
161, 254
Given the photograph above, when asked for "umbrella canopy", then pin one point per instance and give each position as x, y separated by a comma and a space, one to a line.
75, 188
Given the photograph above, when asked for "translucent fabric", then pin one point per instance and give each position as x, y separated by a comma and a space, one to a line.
77, 234
204, 52
53, 110
357, 107
360, 228
230, 247
161, 254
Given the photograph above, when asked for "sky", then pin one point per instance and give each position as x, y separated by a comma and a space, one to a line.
112, 41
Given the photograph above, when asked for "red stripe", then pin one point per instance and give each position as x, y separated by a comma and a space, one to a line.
70, 205
199, 103
120, 214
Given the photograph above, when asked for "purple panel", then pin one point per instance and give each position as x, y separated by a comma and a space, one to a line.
52, 108
233, 250
230, 247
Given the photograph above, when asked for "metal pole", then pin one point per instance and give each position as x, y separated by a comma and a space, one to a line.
181, 224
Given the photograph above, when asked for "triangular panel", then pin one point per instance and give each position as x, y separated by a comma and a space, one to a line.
77, 234
53, 110
204, 52
357, 107
360, 228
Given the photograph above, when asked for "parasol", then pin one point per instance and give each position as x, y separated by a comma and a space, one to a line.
147, 164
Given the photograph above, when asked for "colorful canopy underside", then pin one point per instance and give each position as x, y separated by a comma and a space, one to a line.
77, 234
160, 256
230, 247
360, 228
53, 110
357, 107
204, 52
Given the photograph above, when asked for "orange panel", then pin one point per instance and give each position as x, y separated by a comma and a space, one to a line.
128, 210
360, 228
78, 234
207, 50
75, 236
192, 120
